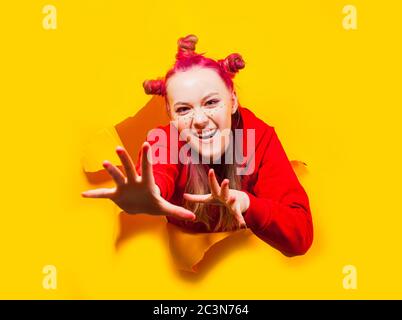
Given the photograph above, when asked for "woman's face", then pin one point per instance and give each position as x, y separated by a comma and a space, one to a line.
200, 105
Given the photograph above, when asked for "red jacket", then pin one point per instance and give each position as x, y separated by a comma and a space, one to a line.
279, 211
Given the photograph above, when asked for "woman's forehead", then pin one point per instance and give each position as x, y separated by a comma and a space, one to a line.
194, 84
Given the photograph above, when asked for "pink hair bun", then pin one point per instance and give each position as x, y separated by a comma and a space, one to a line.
186, 46
232, 63
156, 87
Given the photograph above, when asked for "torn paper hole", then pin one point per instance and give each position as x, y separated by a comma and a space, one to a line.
188, 249
101, 147
299, 167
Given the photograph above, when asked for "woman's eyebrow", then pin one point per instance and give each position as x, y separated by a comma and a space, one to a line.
209, 95
203, 99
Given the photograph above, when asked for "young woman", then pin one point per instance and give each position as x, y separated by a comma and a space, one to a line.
207, 193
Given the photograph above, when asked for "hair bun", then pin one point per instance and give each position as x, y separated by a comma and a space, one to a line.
156, 87
232, 63
186, 46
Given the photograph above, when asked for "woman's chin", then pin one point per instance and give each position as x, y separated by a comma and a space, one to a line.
210, 150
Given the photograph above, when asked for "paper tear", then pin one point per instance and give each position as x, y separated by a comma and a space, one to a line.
299, 167
129, 133
188, 249
101, 147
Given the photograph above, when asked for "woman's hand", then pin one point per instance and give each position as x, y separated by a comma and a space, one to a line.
134, 193
236, 201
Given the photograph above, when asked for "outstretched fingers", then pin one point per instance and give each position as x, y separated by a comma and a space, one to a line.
178, 212
128, 164
239, 217
202, 198
234, 207
146, 164
99, 193
213, 183
225, 190
114, 172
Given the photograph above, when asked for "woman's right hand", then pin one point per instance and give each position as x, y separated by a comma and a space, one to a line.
134, 193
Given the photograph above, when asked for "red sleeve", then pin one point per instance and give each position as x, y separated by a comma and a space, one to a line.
165, 179
279, 211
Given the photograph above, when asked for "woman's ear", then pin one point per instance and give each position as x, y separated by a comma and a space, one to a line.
235, 103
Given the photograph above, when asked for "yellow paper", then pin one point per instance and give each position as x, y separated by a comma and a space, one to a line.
101, 147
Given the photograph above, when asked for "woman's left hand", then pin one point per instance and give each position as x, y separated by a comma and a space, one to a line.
236, 201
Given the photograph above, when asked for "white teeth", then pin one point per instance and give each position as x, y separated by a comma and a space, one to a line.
206, 134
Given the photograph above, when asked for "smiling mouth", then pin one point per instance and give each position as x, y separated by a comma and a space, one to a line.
206, 135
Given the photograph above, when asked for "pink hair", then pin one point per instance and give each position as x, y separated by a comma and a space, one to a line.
187, 58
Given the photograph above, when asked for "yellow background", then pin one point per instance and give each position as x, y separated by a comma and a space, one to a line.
333, 96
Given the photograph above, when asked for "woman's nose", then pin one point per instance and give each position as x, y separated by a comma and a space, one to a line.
200, 119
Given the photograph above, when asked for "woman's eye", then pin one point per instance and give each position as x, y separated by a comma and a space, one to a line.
182, 110
212, 102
